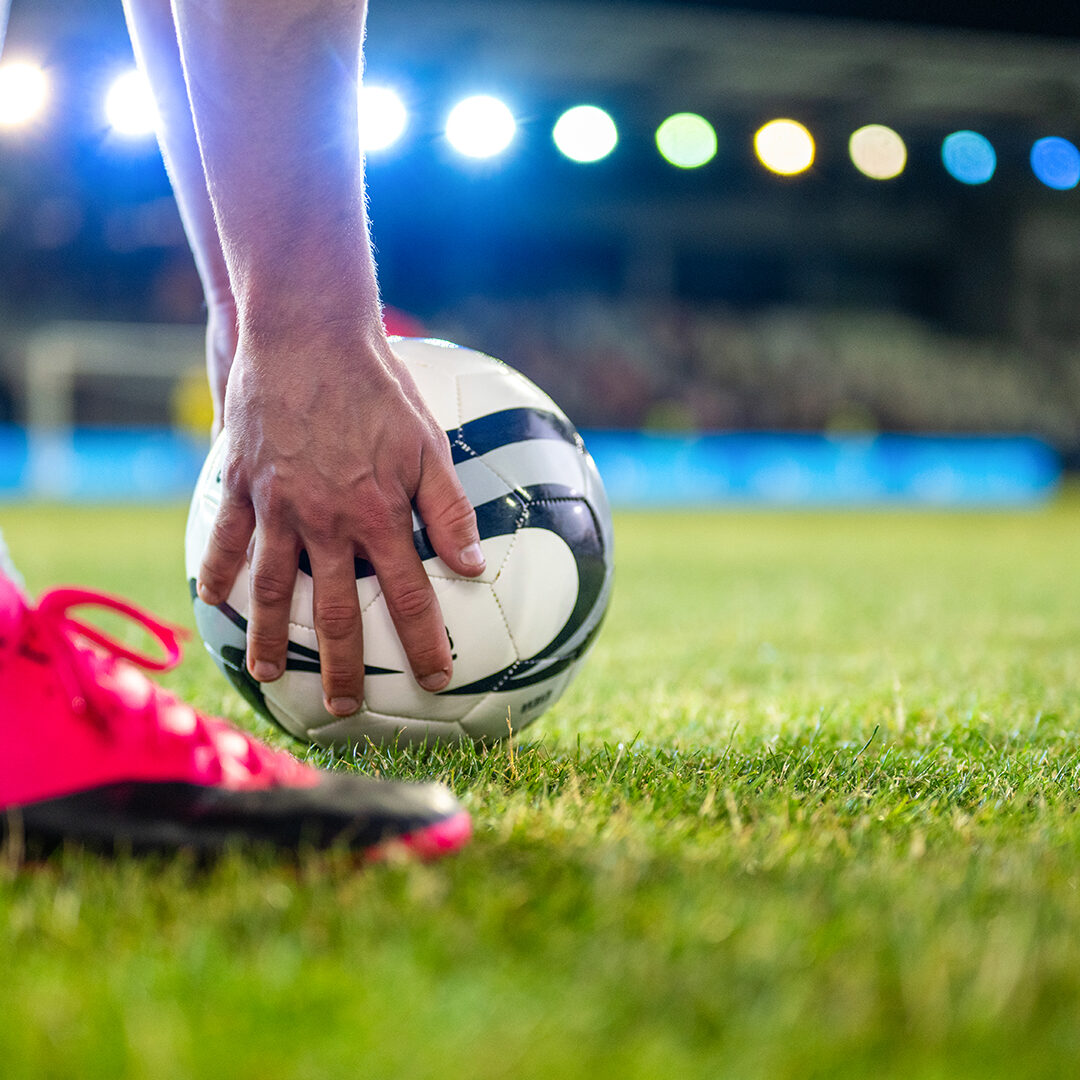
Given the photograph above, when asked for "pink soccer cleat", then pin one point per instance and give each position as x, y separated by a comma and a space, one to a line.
96, 753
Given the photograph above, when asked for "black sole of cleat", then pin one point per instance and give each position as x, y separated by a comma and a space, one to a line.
346, 812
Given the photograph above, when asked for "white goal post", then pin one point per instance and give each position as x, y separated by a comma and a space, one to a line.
57, 354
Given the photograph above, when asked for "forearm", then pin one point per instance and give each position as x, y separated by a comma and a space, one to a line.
153, 37
273, 92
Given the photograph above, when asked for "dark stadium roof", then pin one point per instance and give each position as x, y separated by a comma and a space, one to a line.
1060, 19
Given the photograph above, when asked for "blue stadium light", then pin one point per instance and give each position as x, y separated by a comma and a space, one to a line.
24, 93
585, 133
968, 157
1056, 162
129, 106
480, 126
383, 118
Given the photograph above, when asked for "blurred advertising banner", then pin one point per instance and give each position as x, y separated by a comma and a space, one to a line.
639, 469
642, 469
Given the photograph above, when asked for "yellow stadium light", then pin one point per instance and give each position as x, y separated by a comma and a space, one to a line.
784, 147
878, 152
24, 92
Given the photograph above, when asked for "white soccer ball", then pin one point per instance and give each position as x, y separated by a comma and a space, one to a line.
518, 633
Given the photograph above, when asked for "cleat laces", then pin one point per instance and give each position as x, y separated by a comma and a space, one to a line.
109, 694
51, 626
106, 692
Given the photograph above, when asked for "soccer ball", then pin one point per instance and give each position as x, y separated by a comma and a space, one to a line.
518, 633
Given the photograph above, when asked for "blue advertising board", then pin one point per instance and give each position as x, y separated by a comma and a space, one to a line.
639, 469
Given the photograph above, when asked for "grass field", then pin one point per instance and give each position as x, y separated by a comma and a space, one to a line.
809, 811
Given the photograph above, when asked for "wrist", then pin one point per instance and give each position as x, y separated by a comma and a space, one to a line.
301, 335
299, 318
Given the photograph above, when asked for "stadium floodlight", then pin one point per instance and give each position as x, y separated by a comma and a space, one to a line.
480, 126
585, 133
877, 152
129, 105
383, 118
1056, 162
968, 157
686, 140
24, 91
784, 147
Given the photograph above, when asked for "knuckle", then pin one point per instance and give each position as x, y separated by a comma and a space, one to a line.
234, 474
336, 619
324, 526
270, 588
378, 514
438, 445
271, 502
378, 540
457, 515
411, 601
228, 538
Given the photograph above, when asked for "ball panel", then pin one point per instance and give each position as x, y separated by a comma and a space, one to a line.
487, 720
534, 463
517, 424
287, 719
479, 644
496, 549
434, 352
438, 385
537, 590
481, 483
486, 392
575, 521
382, 730
227, 629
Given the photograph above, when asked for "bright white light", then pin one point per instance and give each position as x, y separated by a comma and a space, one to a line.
129, 105
24, 90
585, 133
383, 118
785, 147
480, 126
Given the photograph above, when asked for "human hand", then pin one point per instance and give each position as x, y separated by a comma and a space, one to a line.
330, 445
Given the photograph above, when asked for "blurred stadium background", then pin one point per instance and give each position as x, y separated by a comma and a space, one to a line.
813, 318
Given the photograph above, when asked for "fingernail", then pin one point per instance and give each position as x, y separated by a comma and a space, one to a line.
435, 681
343, 706
265, 671
473, 555
205, 595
